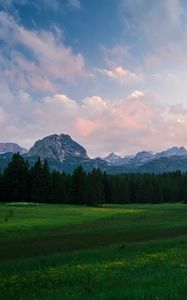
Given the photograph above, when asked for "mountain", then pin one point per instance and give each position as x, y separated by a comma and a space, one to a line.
138, 159
63, 154
125, 160
165, 164
58, 147
174, 151
141, 158
11, 147
113, 158
156, 166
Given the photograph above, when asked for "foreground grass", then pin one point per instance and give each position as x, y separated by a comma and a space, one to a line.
116, 252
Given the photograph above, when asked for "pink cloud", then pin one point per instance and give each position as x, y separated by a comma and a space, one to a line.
49, 60
126, 126
122, 75
152, 60
85, 126
116, 56
175, 53
3, 116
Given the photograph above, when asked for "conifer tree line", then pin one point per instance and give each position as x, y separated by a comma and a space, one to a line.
21, 182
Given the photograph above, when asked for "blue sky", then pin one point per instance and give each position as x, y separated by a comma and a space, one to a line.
111, 73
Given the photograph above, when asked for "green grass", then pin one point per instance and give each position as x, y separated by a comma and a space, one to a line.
56, 252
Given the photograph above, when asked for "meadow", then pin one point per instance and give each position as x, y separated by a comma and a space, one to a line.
56, 252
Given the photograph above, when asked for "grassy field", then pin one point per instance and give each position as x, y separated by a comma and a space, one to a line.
56, 252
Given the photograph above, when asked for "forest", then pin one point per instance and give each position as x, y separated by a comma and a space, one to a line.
22, 182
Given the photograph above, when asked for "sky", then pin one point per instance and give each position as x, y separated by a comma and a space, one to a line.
110, 73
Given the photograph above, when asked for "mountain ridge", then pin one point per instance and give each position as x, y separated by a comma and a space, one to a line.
65, 154
145, 156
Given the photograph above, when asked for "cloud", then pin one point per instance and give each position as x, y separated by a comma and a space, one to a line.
116, 55
164, 76
131, 124
65, 100
157, 29
85, 126
94, 104
158, 21
10, 3
136, 94
3, 116
172, 53
36, 59
75, 4
54, 5
122, 75
38, 69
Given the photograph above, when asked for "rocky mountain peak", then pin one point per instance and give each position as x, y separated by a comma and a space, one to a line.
112, 158
174, 151
57, 147
142, 157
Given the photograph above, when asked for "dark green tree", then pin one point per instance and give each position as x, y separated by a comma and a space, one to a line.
40, 182
16, 179
1, 187
78, 186
60, 187
95, 188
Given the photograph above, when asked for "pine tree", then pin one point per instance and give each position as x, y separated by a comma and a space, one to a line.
78, 190
1, 187
59, 187
40, 184
15, 179
96, 188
